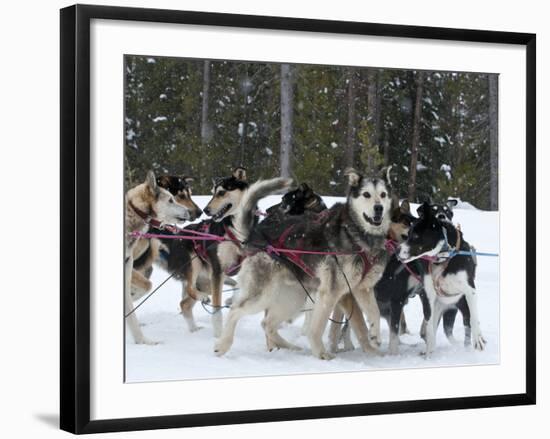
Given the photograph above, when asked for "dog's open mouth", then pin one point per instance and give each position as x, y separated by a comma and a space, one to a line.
222, 212
375, 220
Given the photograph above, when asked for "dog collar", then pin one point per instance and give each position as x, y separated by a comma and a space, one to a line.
447, 252
148, 219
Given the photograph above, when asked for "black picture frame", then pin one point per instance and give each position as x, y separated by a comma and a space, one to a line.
75, 217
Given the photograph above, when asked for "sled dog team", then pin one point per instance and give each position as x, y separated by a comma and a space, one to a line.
363, 257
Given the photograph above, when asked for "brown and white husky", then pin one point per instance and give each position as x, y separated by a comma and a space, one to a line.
146, 204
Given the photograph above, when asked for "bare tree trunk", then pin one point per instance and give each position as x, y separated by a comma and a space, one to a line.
373, 117
416, 135
493, 140
350, 147
206, 132
460, 147
378, 116
287, 110
373, 107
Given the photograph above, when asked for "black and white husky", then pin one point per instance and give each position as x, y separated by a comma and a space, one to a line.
298, 201
401, 282
278, 283
449, 276
444, 213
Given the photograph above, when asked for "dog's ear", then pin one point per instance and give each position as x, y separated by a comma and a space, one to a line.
308, 192
151, 182
354, 178
163, 181
424, 210
188, 181
452, 203
405, 207
239, 173
425, 198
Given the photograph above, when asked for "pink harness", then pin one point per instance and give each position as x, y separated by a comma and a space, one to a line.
295, 255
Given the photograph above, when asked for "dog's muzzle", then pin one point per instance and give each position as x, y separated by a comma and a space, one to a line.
376, 219
218, 216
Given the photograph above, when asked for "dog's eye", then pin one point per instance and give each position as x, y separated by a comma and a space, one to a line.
171, 201
366, 194
221, 193
383, 195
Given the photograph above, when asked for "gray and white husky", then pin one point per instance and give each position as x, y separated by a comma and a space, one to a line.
273, 283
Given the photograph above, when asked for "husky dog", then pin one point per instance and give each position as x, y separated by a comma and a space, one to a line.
204, 264
279, 285
401, 220
147, 251
146, 204
297, 201
400, 282
447, 279
294, 202
444, 212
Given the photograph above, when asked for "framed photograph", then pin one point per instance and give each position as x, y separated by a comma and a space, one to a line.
272, 218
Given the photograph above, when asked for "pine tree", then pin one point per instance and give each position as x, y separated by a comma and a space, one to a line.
203, 117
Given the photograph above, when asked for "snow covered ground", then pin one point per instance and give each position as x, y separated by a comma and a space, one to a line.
182, 355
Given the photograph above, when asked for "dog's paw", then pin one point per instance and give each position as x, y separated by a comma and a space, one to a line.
479, 342
453, 340
375, 341
146, 341
348, 346
374, 352
393, 348
426, 354
368, 348
221, 348
195, 328
326, 356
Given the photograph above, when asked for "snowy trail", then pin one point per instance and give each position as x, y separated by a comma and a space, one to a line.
182, 355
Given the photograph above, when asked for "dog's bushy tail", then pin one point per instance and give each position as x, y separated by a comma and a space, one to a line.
244, 219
